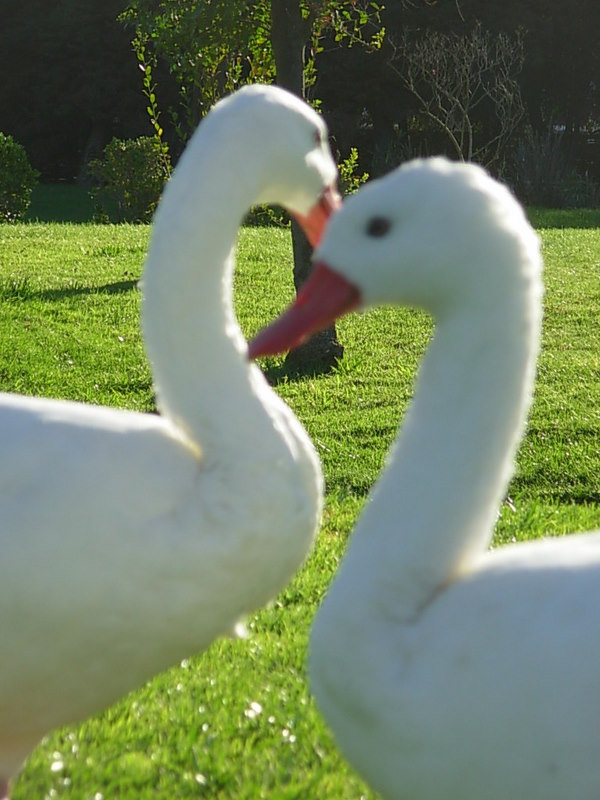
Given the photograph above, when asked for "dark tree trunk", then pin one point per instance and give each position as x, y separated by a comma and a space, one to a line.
289, 35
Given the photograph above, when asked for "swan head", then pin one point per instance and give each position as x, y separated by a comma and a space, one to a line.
291, 160
432, 234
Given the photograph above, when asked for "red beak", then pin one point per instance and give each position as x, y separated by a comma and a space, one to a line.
313, 224
325, 296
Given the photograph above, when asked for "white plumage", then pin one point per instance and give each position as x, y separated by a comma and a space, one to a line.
132, 540
447, 671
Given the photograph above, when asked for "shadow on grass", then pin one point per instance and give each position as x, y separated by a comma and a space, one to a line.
118, 287
320, 355
287, 372
22, 290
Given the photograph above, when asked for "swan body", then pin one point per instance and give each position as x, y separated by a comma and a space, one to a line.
132, 540
448, 671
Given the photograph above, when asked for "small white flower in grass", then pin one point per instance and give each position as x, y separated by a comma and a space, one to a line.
288, 736
57, 766
253, 710
200, 778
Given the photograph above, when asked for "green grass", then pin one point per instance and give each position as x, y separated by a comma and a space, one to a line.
69, 328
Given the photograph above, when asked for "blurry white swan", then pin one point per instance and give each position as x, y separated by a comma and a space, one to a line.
446, 670
129, 541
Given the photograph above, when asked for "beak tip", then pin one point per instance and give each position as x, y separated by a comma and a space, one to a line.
325, 296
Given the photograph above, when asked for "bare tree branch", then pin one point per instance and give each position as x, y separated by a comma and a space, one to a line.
456, 78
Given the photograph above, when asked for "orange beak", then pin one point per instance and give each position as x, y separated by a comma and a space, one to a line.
325, 296
314, 223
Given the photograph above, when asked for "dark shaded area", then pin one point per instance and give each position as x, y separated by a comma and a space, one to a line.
367, 106
70, 80
60, 202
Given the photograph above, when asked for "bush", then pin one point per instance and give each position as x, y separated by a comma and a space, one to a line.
17, 179
131, 176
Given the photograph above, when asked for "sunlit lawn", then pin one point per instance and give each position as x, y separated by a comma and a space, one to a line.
238, 721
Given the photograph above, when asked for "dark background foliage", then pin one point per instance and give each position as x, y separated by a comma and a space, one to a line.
71, 81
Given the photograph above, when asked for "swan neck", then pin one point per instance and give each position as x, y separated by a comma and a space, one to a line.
203, 381
432, 513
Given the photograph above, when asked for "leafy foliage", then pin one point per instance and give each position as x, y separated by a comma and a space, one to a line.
213, 48
130, 176
17, 179
351, 179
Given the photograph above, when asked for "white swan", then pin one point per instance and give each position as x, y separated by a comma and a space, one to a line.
129, 541
446, 670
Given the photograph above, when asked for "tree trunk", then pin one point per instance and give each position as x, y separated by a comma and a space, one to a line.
289, 35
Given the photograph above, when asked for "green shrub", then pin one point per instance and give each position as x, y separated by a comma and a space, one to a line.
130, 178
350, 177
17, 179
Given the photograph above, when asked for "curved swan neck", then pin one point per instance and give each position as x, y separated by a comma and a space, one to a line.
198, 354
433, 510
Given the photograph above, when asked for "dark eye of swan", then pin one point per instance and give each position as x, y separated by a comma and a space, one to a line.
378, 227
318, 136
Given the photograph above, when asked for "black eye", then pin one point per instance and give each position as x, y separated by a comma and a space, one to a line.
318, 136
378, 226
